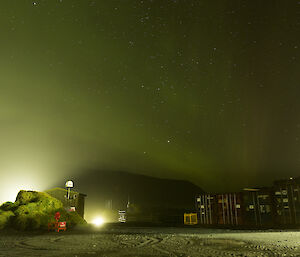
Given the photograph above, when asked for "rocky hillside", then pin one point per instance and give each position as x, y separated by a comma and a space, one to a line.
106, 187
33, 210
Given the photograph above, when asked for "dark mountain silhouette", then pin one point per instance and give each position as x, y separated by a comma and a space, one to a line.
116, 187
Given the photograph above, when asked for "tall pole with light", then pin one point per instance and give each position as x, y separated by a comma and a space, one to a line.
69, 185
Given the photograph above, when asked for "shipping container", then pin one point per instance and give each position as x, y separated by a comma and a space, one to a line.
255, 207
259, 207
229, 207
220, 209
190, 219
287, 201
206, 208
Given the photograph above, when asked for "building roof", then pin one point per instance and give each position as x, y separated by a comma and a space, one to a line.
291, 180
65, 190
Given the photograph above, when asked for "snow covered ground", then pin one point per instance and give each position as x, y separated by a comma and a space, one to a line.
154, 241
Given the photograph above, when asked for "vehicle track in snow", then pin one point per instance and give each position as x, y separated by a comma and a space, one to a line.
154, 242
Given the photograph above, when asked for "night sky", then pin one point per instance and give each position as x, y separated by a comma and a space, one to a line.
206, 91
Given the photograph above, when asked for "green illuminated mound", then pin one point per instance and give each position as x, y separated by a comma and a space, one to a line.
34, 210
5, 217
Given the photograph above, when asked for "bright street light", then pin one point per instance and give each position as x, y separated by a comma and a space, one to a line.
98, 221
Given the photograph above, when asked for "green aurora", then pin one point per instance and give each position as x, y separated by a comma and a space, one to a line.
206, 91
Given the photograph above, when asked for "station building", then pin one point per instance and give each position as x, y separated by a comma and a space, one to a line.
75, 201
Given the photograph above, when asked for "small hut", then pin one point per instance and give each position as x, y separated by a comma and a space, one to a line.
73, 201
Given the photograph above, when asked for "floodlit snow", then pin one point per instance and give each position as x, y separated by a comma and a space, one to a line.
114, 241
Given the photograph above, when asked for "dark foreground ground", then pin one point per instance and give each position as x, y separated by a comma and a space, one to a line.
156, 241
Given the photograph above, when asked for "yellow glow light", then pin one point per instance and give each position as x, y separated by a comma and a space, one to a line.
98, 221
12, 186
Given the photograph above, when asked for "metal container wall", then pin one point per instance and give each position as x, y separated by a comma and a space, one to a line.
229, 207
259, 206
206, 208
296, 199
220, 209
287, 201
